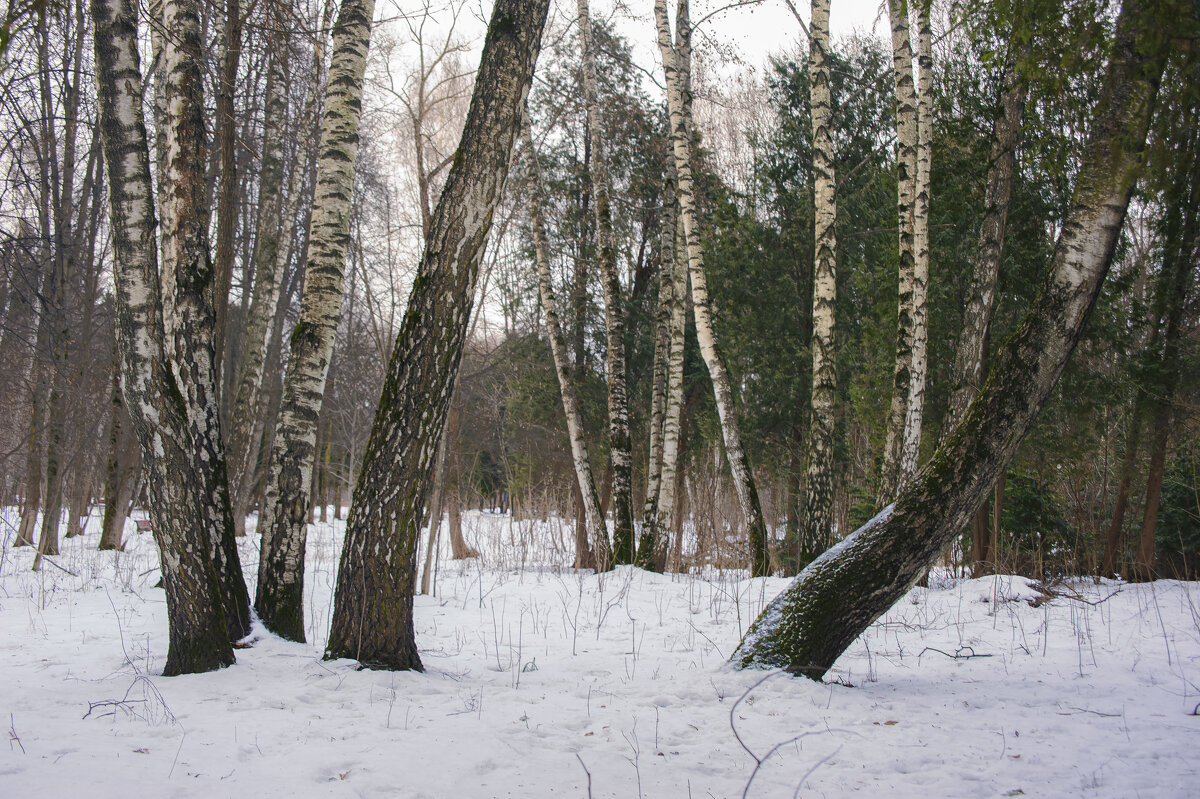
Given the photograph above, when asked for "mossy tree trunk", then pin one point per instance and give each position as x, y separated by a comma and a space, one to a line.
808, 626
372, 615
286, 510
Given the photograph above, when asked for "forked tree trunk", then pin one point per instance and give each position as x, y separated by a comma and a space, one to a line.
187, 277
677, 69
286, 511
182, 506
372, 615
970, 349
816, 517
891, 475
597, 531
806, 627
620, 453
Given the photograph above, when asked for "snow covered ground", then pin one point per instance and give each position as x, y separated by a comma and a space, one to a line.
542, 683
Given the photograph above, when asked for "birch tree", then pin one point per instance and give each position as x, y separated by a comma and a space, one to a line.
891, 476
184, 508
286, 511
594, 516
816, 517
839, 595
676, 68
372, 616
619, 443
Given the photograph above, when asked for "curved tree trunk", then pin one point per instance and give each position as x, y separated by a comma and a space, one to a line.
620, 452
891, 476
839, 595
372, 615
285, 514
677, 69
594, 516
182, 508
816, 517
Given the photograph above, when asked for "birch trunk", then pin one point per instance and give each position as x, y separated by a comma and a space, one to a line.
187, 276
619, 442
816, 518
121, 472
372, 616
677, 70
668, 386
839, 595
914, 413
594, 516
227, 198
181, 506
285, 514
891, 476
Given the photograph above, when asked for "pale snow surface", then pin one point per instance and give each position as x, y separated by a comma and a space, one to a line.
534, 673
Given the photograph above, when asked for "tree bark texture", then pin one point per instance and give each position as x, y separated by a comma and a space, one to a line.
915, 412
891, 475
839, 595
620, 446
372, 616
594, 516
181, 507
267, 273
672, 290
816, 517
677, 69
227, 198
286, 509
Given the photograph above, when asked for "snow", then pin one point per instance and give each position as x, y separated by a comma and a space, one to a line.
534, 674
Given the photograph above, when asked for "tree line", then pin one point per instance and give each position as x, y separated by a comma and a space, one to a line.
939, 290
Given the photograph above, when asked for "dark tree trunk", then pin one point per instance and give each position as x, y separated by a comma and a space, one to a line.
372, 616
808, 626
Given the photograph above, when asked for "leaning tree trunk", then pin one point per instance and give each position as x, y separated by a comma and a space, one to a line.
677, 69
619, 443
182, 507
816, 518
285, 515
187, 276
914, 414
597, 531
891, 476
806, 627
372, 615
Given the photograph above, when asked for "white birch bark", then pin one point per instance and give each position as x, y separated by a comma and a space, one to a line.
915, 412
619, 443
677, 68
180, 507
891, 476
285, 514
816, 519
594, 516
